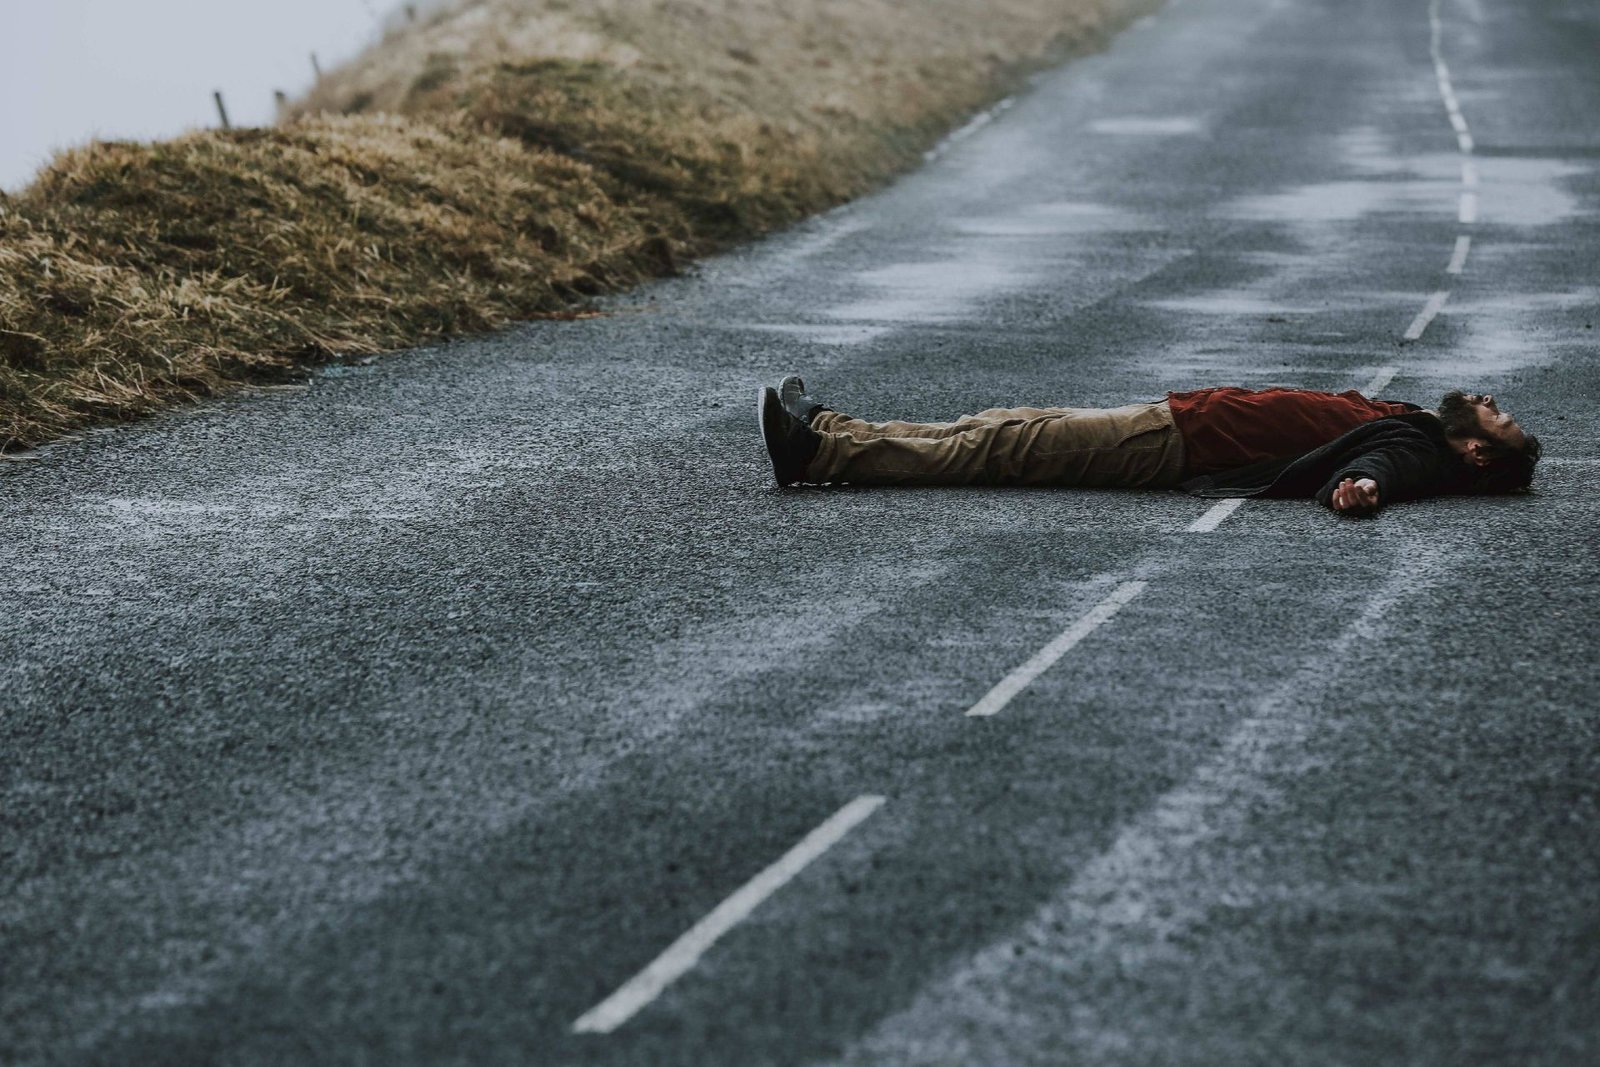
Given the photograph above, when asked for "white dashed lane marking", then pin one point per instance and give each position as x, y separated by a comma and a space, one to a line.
1018, 680
1214, 516
1467, 204
1434, 305
1380, 381
685, 952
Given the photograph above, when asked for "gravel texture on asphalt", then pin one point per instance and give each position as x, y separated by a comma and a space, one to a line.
401, 718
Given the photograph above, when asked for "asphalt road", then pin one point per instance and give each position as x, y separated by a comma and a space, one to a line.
404, 718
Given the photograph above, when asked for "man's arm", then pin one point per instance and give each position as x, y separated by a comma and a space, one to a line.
1387, 474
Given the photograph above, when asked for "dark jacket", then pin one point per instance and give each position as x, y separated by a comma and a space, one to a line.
1407, 455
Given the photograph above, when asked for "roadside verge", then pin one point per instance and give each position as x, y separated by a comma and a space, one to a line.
498, 160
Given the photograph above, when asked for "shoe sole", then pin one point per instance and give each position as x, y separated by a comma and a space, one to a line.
769, 416
799, 389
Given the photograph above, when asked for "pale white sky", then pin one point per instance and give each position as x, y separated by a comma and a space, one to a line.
72, 70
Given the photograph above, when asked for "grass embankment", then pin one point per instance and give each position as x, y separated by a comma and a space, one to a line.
502, 160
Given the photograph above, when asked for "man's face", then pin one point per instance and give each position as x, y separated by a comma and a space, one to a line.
1469, 415
1495, 424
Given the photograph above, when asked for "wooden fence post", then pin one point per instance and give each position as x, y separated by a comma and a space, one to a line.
222, 112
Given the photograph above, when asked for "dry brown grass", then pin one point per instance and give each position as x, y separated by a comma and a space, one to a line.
503, 160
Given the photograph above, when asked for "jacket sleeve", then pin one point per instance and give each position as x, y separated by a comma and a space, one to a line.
1405, 469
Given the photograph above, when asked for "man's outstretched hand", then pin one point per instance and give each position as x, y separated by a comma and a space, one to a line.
1356, 494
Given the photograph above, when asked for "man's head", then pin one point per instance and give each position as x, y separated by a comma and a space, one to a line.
1489, 440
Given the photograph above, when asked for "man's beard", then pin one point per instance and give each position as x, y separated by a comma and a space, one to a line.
1460, 418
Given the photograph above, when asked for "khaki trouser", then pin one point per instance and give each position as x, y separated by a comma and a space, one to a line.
1126, 447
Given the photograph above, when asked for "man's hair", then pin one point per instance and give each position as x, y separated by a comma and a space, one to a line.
1460, 417
1509, 470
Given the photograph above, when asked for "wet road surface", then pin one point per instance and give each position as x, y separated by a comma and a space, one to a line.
411, 716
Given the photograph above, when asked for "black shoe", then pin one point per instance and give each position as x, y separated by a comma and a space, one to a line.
792, 391
791, 444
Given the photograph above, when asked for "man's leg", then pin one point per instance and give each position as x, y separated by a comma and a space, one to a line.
1132, 446
828, 421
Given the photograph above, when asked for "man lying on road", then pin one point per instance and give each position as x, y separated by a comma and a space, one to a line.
1350, 453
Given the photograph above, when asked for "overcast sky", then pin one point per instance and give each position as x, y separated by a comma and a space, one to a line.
71, 70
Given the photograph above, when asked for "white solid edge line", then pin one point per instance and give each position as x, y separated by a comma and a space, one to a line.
1458, 259
1434, 305
683, 953
1214, 516
1380, 380
1469, 208
1018, 680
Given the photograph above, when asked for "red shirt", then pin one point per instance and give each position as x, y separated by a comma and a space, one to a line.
1231, 427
